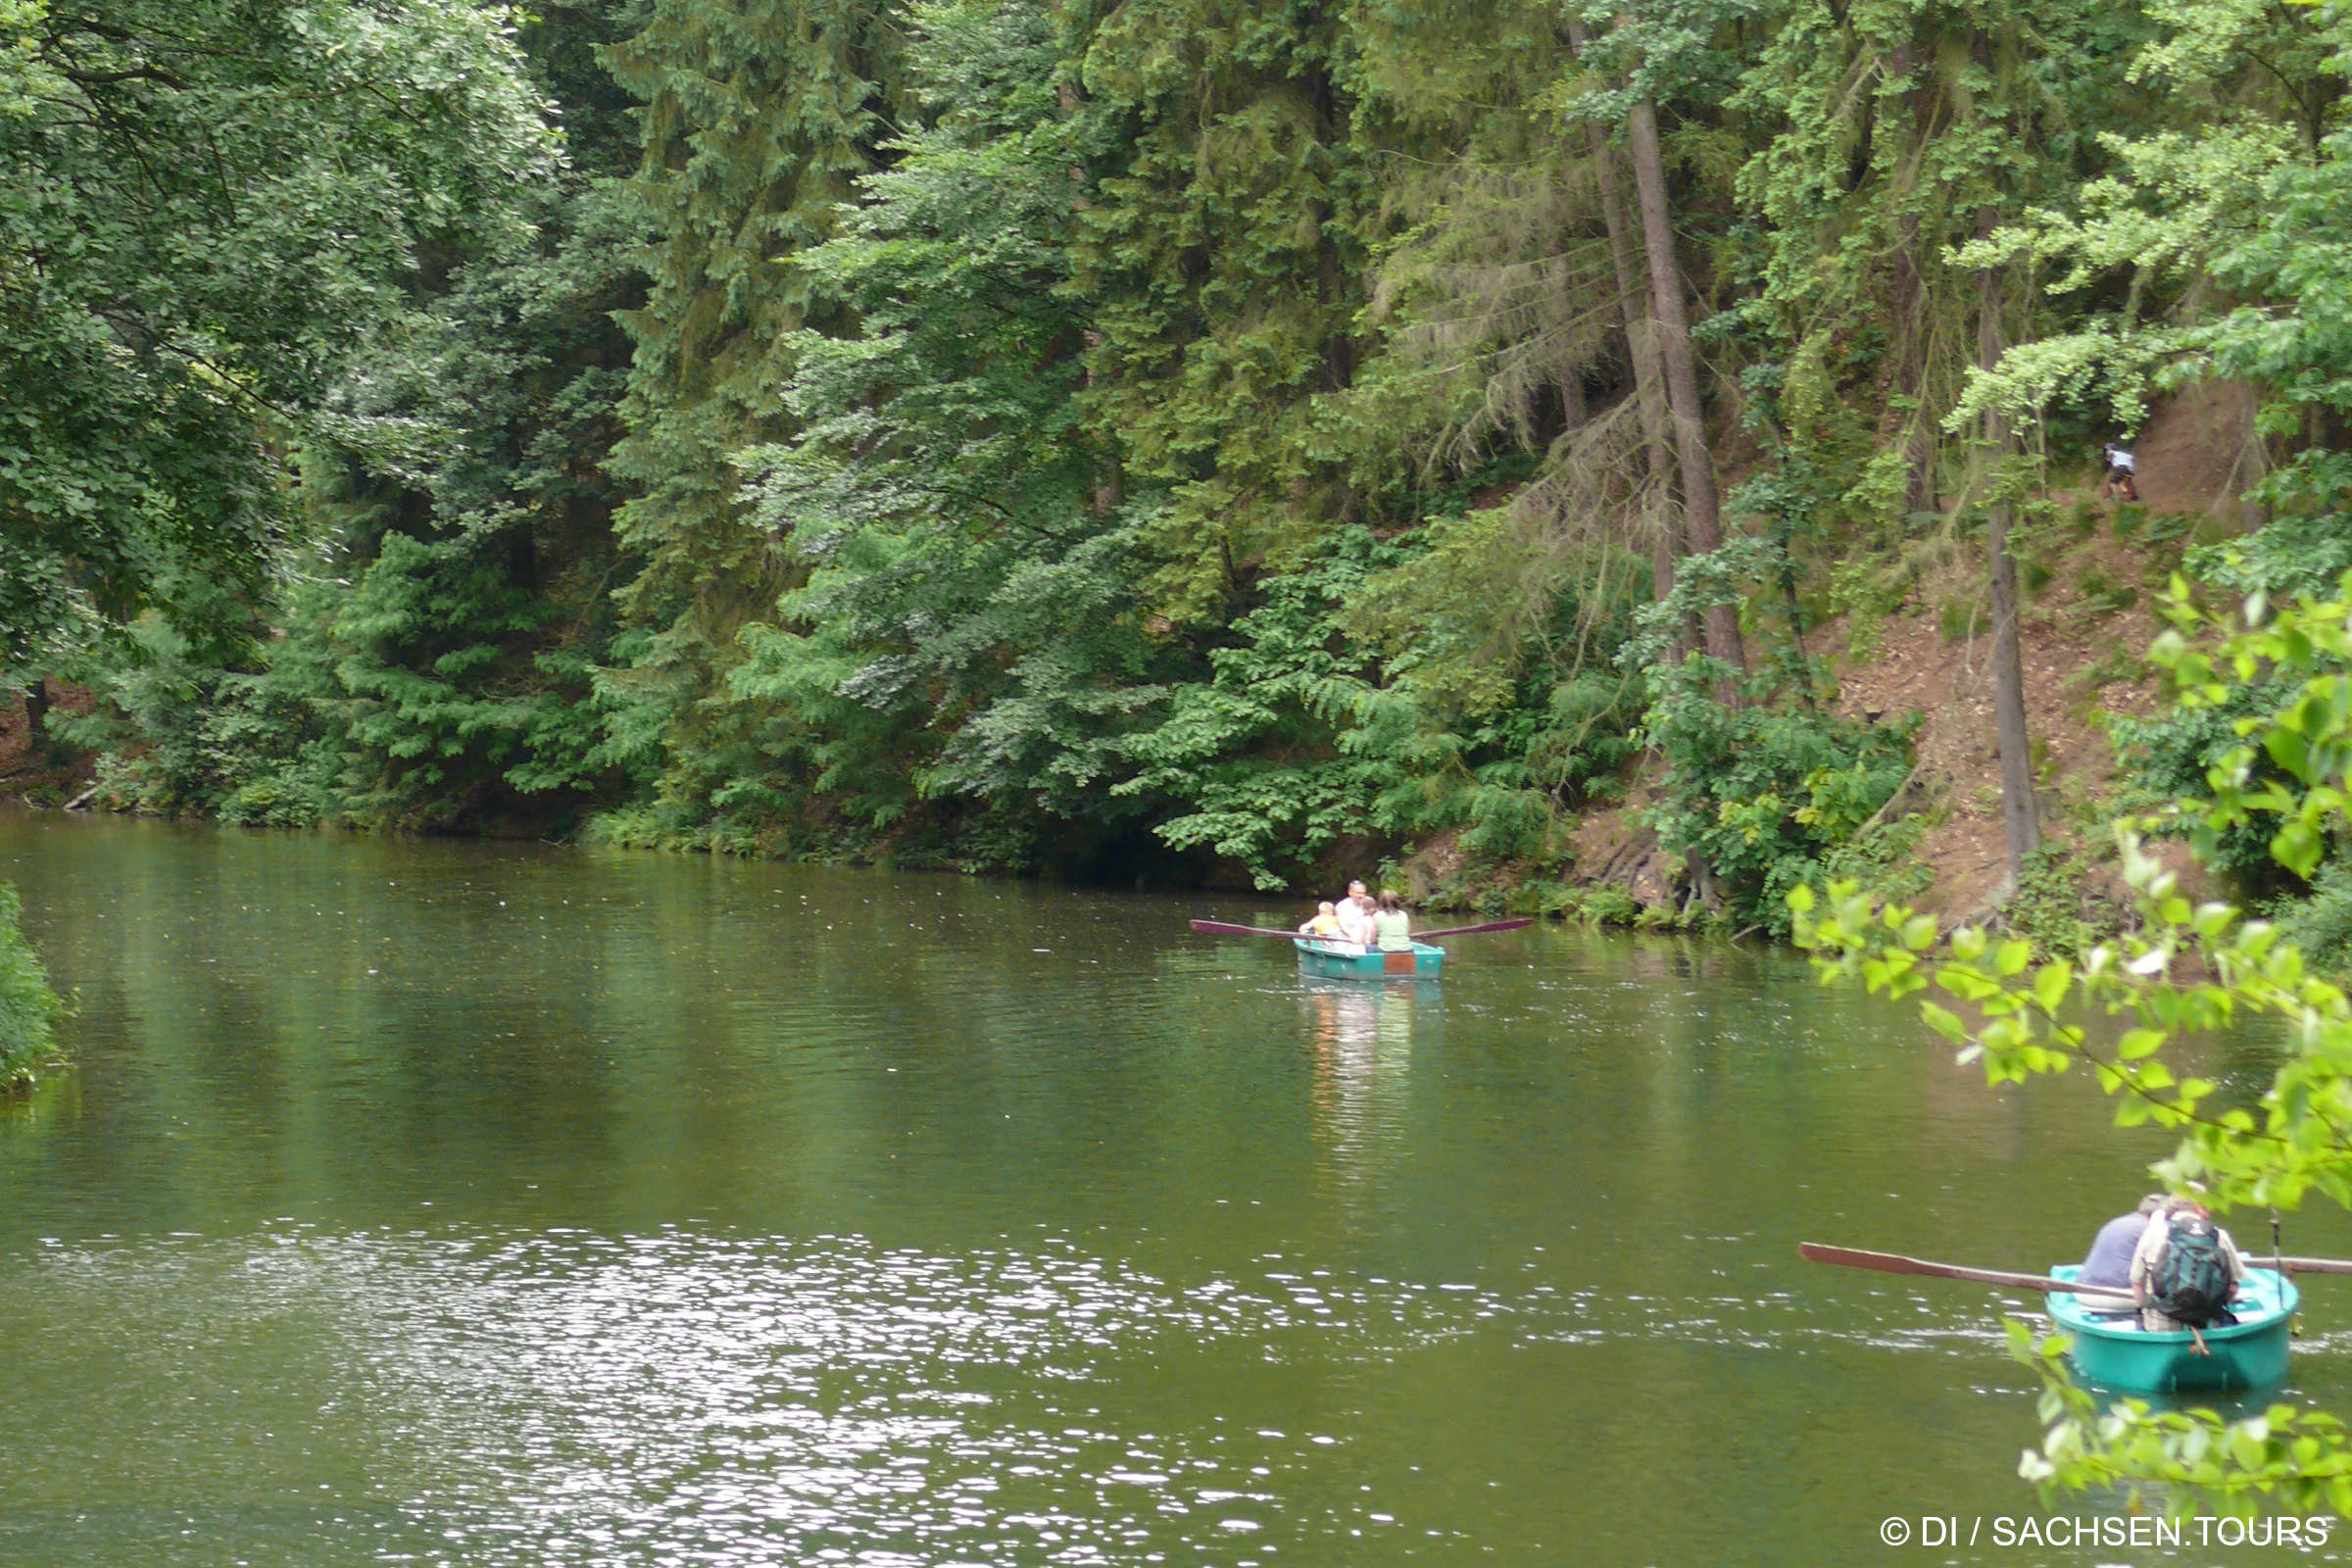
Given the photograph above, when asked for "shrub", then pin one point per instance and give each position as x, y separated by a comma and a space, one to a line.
2322, 923
1766, 793
28, 1009
2047, 908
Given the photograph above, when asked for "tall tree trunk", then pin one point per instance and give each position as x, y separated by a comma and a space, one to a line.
2021, 822
36, 719
1665, 520
1660, 522
1703, 528
1650, 392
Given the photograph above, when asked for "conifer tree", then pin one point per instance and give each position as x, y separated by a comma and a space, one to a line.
1222, 246
758, 117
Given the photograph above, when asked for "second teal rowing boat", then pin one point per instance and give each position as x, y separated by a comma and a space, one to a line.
2116, 1353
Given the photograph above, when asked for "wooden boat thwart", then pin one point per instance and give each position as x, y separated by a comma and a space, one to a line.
1346, 960
2117, 1352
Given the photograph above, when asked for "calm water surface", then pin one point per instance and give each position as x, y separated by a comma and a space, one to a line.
471, 1205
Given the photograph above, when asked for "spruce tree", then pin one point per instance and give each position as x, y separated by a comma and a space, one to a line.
758, 117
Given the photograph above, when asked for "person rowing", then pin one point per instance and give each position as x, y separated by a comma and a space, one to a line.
2109, 1261
1356, 916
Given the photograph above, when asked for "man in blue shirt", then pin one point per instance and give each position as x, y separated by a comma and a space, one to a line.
2110, 1259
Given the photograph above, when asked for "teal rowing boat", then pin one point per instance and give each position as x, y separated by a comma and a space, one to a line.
1344, 961
2116, 1353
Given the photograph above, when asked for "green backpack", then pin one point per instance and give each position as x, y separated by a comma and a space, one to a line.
2191, 1283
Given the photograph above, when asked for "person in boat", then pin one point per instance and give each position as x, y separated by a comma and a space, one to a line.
1324, 925
1391, 927
2185, 1269
1356, 916
2109, 1261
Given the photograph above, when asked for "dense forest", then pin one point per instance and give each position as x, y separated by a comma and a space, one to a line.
1165, 438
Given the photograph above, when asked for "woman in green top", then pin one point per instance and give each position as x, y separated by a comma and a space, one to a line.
1391, 928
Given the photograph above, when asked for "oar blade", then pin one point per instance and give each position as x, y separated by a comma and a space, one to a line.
1898, 1263
1472, 930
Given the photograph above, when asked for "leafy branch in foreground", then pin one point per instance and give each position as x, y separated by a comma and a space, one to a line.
2029, 1020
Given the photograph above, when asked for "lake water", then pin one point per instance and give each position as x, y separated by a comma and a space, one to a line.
432, 1203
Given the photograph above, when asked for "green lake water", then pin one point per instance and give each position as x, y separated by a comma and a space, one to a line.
429, 1203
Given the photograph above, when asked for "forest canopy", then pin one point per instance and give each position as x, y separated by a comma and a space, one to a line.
1153, 438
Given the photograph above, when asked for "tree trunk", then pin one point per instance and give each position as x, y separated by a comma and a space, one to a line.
1650, 392
36, 719
1666, 536
1661, 524
1703, 528
2021, 821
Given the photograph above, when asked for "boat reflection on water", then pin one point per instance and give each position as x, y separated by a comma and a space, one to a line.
1363, 1038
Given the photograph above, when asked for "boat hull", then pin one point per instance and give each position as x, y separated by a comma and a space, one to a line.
1340, 961
2250, 1354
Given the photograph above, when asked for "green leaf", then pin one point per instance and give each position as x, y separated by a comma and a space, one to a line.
2297, 848
2051, 984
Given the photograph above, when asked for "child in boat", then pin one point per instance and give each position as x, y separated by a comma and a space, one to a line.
1391, 927
1324, 925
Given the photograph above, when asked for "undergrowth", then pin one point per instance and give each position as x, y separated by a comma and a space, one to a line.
30, 1008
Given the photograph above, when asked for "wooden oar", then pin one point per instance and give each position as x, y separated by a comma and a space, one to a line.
1896, 1263
1221, 928
1471, 930
2315, 1265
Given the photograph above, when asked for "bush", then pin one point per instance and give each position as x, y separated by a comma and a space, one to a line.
1765, 792
1606, 906
2322, 923
2049, 906
28, 1009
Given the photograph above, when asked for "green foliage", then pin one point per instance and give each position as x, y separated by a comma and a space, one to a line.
1043, 434
1764, 793
2047, 908
1220, 249
1759, 792
2320, 922
181, 733
2026, 1018
2174, 752
28, 1009
440, 678
210, 207
758, 117
1256, 752
1900, 128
